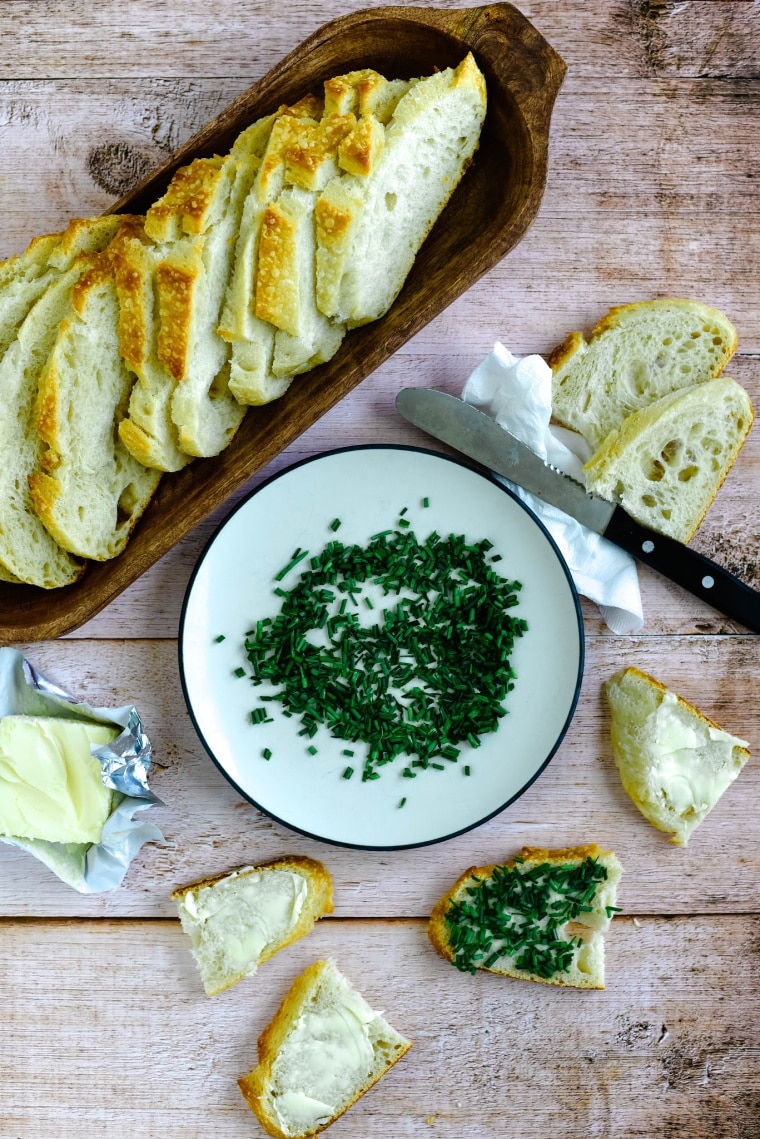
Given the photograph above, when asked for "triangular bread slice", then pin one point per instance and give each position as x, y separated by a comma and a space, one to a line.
28, 553
538, 917
89, 491
635, 355
322, 1051
666, 463
429, 141
674, 763
237, 921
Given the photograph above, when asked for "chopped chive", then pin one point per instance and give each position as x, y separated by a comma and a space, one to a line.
266, 753
348, 773
220, 638
347, 751
403, 802
239, 672
426, 503
467, 769
297, 557
312, 750
403, 512
335, 524
404, 522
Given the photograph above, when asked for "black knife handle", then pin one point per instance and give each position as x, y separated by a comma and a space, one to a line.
687, 568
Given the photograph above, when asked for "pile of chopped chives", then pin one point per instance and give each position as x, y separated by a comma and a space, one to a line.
516, 913
430, 673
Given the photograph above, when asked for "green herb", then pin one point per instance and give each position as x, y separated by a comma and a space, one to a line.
467, 769
426, 502
403, 801
335, 524
312, 750
266, 753
347, 751
518, 913
218, 639
610, 910
348, 773
431, 673
239, 672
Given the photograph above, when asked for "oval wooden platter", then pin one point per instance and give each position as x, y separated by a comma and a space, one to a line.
487, 216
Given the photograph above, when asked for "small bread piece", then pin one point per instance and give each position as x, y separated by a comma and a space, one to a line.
487, 920
88, 491
674, 763
429, 141
238, 920
365, 92
635, 355
667, 462
322, 1051
28, 553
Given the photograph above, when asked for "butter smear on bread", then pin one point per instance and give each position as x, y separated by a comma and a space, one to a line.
50, 784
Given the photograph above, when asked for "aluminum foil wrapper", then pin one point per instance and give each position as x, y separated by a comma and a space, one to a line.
89, 867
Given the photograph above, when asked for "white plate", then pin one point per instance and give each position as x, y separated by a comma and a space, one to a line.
232, 588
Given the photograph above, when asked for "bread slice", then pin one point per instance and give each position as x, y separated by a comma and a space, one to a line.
322, 1051
23, 279
236, 921
538, 917
674, 763
666, 463
148, 430
635, 355
195, 226
364, 93
429, 141
28, 553
88, 490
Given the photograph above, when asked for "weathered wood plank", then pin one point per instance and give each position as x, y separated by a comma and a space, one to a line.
577, 799
669, 1048
628, 37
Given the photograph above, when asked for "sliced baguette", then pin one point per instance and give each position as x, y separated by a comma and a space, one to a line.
585, 969
88, 490
429, 141
238, 920
635, 355
673, 762
666, 463
28, 553
322, 1051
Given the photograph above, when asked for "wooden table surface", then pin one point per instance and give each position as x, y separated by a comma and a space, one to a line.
653, 189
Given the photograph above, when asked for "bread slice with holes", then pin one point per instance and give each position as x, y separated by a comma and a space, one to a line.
43, 281
666, 463
237, 921
324, 1049
508, 919
635, 355
88, 490
428, 143
673, 761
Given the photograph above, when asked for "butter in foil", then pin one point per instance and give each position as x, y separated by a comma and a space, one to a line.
125, 762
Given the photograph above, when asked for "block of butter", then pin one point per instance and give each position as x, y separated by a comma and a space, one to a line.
50, 784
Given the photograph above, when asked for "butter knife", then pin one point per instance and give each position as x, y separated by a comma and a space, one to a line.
481, 438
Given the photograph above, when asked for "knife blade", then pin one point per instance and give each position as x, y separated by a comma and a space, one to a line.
480, 437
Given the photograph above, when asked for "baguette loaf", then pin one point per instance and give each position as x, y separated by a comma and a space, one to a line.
538, 917
239, 920
323, 1050
666, 463
635, 355
674, 763
88, 490
28, 552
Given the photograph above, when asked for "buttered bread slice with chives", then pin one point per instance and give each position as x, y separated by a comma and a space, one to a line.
674, 762
237, 921
538, 917
322, 1051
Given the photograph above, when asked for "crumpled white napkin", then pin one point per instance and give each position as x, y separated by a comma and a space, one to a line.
516, 392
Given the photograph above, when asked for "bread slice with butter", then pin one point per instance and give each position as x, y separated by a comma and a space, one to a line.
51, 786
635, 355
322, 1051
538, 917
238, 920
666, 462
673, 761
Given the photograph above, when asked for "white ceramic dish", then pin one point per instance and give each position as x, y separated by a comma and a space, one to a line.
232, 588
